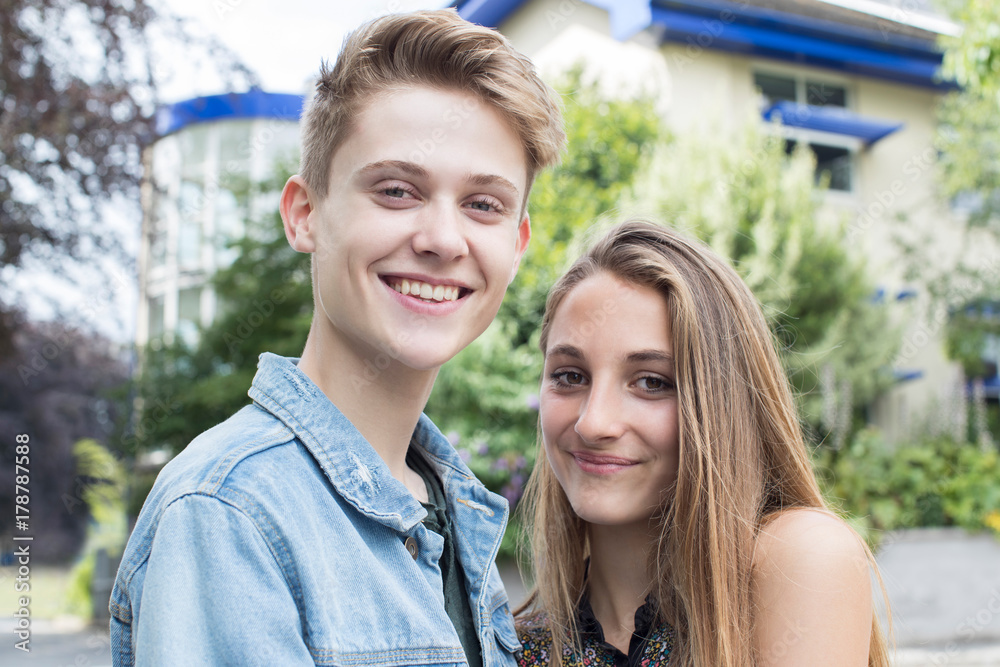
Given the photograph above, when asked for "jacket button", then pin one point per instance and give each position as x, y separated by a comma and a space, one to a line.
411, 546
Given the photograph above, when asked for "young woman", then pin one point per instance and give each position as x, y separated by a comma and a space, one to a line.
675, 516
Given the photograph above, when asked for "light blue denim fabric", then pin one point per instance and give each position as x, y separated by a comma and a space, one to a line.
277, 538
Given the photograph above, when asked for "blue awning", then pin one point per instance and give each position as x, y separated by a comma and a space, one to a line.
742, 27
906, 375
835, 120
254, 104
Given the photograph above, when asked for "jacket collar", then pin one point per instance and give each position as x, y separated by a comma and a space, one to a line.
356, 471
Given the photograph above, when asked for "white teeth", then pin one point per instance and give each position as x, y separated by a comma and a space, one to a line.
426, 291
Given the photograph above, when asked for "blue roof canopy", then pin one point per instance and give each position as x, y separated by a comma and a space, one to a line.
744, 28
835, 120
253, 104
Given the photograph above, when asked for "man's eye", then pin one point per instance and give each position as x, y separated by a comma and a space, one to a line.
487, 205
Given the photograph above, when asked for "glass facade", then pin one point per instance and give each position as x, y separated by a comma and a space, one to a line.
204, 182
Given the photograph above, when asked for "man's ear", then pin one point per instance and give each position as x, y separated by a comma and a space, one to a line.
296, 209
523, 236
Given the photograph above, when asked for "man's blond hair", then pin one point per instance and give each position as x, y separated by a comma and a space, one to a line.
430, 48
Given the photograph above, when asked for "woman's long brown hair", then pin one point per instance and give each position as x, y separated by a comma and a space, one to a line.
742, 456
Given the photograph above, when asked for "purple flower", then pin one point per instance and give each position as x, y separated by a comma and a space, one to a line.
483, 449
517, 480
501, 464
520, 463
465, 455
511, 493
453, 437
532, 402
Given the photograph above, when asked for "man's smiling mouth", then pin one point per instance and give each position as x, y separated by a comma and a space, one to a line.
426, 291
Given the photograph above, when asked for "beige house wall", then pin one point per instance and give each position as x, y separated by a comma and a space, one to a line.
894, 187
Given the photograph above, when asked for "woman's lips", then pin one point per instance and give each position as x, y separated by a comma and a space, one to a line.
601, 464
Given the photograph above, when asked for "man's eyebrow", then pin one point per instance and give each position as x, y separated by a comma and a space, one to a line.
409, 168
487, 180
564, 350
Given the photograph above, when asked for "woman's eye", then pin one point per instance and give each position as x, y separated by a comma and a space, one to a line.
397, 193
568, 378
654, 384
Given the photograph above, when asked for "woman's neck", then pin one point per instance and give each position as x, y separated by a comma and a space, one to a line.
619, 579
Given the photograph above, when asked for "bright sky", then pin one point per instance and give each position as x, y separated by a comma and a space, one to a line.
283, 42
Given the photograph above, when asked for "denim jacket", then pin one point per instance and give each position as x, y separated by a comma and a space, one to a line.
280, 538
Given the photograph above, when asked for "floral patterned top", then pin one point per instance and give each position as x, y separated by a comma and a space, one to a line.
649, 646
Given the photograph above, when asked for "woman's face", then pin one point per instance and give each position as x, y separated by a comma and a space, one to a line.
609, 401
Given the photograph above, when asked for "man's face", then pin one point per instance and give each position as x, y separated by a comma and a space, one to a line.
421, 231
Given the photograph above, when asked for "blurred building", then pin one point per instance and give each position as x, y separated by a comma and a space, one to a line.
856, 80
202, 172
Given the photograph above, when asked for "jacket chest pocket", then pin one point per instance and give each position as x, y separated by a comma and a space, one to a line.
504, 638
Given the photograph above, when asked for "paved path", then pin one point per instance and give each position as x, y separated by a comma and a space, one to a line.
943, 590
64, 643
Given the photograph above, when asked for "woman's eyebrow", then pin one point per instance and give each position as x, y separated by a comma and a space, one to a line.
650, 355
565, 350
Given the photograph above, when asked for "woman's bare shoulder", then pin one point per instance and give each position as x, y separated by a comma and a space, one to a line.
813, 590
817, 533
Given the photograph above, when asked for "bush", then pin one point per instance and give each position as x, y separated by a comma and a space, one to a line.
935, 481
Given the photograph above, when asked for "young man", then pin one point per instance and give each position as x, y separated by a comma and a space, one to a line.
330, 522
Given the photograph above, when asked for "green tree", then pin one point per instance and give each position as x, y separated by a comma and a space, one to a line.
968, 140
758, 206
265, 297
78, 88
969, 132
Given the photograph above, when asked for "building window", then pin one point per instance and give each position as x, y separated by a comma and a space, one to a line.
834, 163
155, 317
780, 87
192, 203
189, 314
158, 230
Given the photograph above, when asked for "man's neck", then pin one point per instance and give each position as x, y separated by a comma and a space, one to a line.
382, 398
